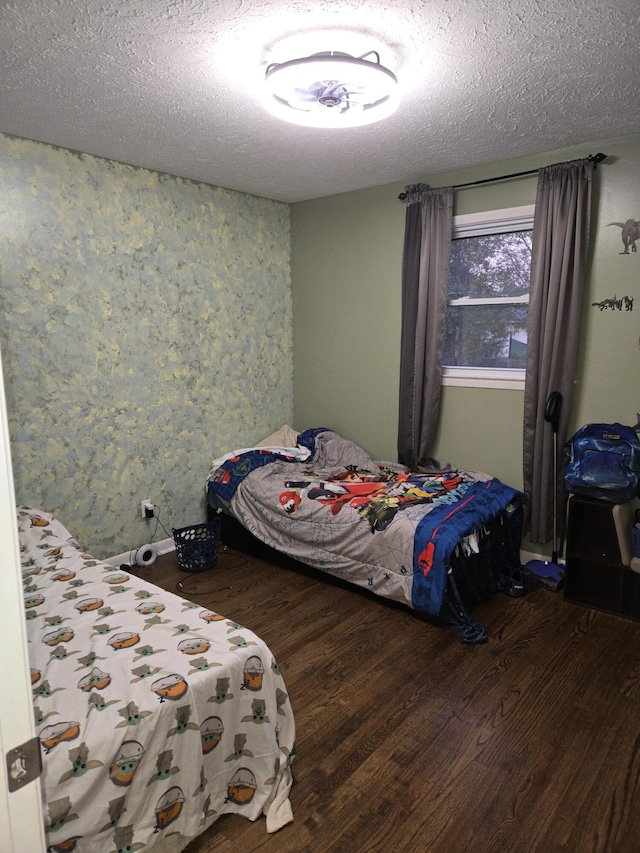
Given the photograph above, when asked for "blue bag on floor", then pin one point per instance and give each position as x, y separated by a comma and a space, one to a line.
603, 462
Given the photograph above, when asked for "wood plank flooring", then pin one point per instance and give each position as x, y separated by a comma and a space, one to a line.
408, 740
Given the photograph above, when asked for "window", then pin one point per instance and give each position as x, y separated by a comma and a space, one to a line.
485, 342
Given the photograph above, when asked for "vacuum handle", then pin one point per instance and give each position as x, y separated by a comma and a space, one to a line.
552, 410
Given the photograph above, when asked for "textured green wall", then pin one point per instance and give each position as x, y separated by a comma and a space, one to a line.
346, 272
145, 324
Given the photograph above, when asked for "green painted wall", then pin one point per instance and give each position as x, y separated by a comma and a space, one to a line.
146, 327
346, 262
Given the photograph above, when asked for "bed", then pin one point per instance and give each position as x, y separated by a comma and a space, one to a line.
154, 715
436, 543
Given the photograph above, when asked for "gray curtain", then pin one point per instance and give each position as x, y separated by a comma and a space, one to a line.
425, 273
558, 273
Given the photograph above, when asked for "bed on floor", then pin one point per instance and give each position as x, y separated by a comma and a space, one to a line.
155, 716
435, 543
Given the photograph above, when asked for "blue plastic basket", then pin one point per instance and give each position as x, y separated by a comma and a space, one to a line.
197, 546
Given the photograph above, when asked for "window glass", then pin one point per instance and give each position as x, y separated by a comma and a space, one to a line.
486, 336
488, 301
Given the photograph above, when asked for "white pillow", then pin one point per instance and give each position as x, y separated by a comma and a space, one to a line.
286, 436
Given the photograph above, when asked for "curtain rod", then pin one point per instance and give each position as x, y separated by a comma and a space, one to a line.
593, 158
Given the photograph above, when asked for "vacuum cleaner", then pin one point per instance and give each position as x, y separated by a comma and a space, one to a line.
549, 573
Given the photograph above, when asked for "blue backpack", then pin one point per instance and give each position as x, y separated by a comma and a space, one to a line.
603, 462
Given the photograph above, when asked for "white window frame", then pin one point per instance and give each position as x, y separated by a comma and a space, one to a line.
477, 225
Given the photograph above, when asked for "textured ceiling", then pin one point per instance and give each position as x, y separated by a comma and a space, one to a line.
174, 85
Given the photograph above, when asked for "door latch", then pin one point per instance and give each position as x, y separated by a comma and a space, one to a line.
24, 764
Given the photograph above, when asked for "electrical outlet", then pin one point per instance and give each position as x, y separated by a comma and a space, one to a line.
146, 508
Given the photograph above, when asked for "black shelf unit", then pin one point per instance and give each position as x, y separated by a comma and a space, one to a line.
595, 575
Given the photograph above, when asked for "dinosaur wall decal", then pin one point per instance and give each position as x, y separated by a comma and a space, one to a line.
630, 234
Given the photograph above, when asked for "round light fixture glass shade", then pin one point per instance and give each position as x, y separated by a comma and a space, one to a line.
331, 89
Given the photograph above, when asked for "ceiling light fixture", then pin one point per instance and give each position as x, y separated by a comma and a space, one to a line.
331, 89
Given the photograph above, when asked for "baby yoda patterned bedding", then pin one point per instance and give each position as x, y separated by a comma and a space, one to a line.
327, 504
155, 716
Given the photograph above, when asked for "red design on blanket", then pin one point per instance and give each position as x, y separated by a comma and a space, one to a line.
425, 559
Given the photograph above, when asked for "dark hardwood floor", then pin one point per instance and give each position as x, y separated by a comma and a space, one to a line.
408, 740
